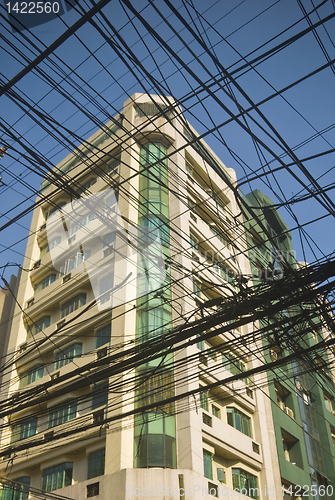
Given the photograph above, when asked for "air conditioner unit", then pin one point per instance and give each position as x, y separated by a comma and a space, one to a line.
66, 278
48, 436
98, 416
281, 405
289, 412
273, 355
102, 353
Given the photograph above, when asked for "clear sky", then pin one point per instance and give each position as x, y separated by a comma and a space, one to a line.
96, 69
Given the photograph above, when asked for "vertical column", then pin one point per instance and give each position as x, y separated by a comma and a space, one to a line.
155, 429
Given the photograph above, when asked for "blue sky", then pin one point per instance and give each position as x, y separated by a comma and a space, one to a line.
233, 30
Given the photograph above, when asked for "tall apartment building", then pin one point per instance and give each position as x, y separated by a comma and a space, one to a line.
82, 305
302, 394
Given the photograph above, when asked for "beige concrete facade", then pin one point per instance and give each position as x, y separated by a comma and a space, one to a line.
206, 230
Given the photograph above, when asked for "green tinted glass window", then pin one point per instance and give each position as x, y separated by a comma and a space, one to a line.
208, 464
57, 477
96, 463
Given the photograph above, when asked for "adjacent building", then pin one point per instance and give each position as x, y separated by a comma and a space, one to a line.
302, 391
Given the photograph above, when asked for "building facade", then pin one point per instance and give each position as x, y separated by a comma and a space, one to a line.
138, 184
302, 390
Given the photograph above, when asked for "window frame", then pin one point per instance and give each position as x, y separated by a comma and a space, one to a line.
99, 339
25, 429
65, 356
239, 419
37, 369
73, 304
208, 464
96, 470
67, 411
248, 476
65, 480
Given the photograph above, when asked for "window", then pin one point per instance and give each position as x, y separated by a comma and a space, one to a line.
289, 448
106, 285
62, 413
211, 351
45, 282
19, 492
154, 225
328, 402
197, 288
156, 388
216, 411
281, 395
96, 464
245, 483
57, 477
152, 322
221, 237
154, 183
239, 421
73, 304
208, 464
31, 375
108, 239
189, 168
70, 264
306, 397
54, 209
190, 204
103, 335
194, 242
113, 165
229, 275
67, 355
52, 244
86, 185
39, 325
204, 400
100, 396
81, 222
235, 366
333, 436
24, 430
200, 344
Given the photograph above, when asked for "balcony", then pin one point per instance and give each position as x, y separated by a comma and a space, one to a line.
234, 444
